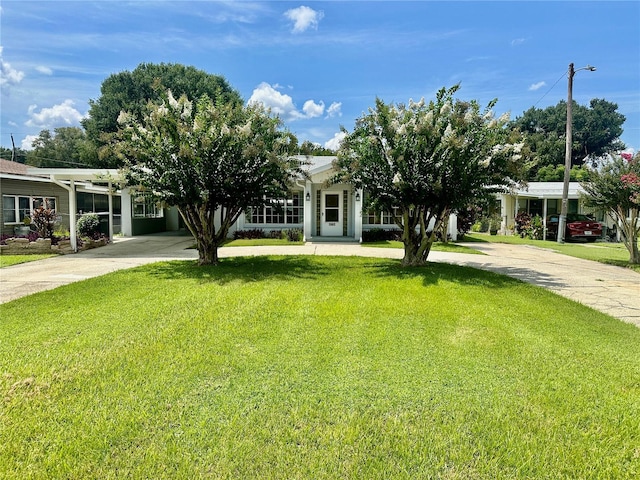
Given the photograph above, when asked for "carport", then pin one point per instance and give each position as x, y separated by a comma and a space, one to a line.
68, 178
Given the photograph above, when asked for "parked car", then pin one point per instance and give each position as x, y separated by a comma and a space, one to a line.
578, 227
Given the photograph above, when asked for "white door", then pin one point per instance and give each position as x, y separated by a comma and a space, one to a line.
331, 214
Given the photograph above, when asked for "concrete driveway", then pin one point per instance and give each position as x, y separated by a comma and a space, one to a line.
612, 290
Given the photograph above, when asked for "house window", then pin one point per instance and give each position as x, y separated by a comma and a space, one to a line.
287, 211
370, 217
16, 208
145, 206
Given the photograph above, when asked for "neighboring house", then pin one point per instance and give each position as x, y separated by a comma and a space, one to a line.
23, 192
70, 192
543, 199
314, 206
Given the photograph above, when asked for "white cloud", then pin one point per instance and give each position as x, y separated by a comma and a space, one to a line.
334, 110
8, 74
334, 143
312, 109
44, 70
537, 86
58, 115
27, 142
304, 18
282, 104
517, 41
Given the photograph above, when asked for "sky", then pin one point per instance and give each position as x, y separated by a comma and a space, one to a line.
320, 65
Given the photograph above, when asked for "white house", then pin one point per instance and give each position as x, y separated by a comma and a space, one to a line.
543, 199
321, 210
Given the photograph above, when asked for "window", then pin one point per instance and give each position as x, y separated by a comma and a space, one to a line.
370, 217
288, 210
16, 208
145, 206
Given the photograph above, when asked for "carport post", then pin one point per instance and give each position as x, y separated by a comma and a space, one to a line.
110, 196
72, 216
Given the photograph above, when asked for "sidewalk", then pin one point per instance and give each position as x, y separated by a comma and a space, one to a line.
609, 289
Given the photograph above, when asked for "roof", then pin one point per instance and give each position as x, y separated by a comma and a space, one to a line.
12, 168
86, 174
547, 190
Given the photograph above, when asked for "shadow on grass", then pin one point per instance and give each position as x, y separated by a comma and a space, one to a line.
471, 274
243, 269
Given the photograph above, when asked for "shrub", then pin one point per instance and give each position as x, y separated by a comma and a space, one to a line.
89, 225
294, 235
523, 224
44, 220
466, 218
529, 227
248, 234
381, 235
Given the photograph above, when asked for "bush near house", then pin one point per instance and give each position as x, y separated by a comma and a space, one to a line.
88, 225
527, 226
292, 235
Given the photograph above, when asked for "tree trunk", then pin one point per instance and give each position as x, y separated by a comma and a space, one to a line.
207, 253
201, 224
417, 245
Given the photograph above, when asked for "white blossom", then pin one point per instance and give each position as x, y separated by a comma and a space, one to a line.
245, 129
504, 118
172, 101
124, 117
186, 111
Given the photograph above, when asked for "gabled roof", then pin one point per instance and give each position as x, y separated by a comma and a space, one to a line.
317, 164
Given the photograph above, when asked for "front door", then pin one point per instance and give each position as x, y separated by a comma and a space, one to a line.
331, 214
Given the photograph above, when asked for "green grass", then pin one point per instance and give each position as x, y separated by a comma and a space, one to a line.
603, 252
8, 260
436, 247
314, 367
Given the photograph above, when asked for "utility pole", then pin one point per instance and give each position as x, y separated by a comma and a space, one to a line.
562, 221
13, 150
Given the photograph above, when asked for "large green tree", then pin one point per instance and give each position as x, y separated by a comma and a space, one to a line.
211, 160
132, 92
614, 187
424, 160
66, 147
596, 132
18, 155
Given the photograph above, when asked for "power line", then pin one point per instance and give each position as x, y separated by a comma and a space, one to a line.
549, 91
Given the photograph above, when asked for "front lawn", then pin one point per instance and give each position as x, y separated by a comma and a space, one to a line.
603, 252
8, 260
314, 367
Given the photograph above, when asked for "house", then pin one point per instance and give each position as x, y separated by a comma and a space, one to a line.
319, 209
543, 199
322, 211
70, 192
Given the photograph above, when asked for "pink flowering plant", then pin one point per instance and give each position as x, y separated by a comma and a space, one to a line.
615, 188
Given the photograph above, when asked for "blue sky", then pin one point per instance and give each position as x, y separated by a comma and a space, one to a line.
320, 65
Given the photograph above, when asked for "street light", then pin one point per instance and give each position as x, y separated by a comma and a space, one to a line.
567, 155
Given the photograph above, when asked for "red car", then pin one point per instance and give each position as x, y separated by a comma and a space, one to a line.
578, 226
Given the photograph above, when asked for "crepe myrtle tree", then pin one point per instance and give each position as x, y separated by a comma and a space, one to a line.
210, 160
614, 187
425, 160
